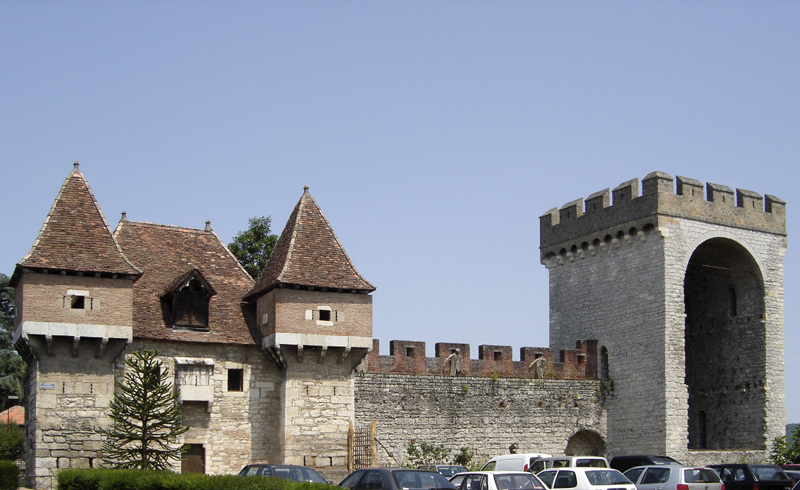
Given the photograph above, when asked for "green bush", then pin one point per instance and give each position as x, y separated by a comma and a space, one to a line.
11, 439
9, 476
108, 479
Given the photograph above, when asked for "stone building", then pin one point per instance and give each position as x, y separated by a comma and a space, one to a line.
682, 287
281, 367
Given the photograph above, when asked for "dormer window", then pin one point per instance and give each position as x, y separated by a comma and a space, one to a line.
188, 299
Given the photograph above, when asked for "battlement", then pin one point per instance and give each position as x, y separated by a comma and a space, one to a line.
408, 357
661, 195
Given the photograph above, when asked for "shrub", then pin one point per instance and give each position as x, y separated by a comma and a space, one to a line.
110, 479
9, 476
11, 440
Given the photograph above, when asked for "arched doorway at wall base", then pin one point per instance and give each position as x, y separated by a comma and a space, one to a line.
585, 443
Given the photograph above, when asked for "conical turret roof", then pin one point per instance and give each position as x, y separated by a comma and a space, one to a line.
309, 255
75, 235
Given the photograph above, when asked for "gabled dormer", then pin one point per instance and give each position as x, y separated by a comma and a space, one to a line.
187, 300
310, 295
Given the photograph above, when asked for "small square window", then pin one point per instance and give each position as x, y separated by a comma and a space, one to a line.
498, 355
325, 315
78, 302
235, 379
409, 351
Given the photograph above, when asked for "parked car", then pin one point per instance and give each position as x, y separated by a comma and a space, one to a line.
513, 462
752, 476
395, 479
568, 462
626, 462
497, 480
585, 479
793, 475
674, 477
447, 470
285, 471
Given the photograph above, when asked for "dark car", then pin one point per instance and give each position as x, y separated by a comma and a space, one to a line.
624, 463
285, 471
752, 476
395, 479
447, 470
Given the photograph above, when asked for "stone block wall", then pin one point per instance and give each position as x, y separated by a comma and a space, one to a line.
486, 415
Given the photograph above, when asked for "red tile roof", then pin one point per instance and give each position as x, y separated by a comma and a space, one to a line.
166, 254
13, 415
308, 254
75, 236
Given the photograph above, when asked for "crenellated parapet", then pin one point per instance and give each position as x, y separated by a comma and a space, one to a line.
408, 357
612, 218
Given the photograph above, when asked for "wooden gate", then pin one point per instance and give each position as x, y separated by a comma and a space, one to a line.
362, 446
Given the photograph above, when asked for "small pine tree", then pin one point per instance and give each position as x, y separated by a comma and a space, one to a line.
146, 418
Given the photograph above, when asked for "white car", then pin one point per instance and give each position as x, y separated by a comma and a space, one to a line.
497, 480
585, 479
674, 476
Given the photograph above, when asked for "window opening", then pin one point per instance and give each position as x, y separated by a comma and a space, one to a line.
78, 302
235, 379
325, 315
498, 355
409, 351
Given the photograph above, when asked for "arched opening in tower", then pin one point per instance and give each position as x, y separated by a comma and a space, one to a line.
725, 346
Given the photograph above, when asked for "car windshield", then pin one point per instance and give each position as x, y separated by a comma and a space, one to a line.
511, 481
298, 473
590, 463
606, 477
420, 479
449, 471
700, 475
768, 472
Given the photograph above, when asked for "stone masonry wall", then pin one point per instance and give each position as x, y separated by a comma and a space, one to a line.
485, 415
242, 426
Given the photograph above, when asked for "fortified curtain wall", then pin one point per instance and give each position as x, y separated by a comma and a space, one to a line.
485, 415
542, 403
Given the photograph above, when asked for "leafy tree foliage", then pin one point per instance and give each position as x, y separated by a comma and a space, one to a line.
425, 454
784, 452
254, 245
146, 417
12, 367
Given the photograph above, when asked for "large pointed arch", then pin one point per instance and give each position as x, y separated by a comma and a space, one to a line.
725, 344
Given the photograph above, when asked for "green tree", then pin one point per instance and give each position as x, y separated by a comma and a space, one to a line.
146, 418
425, 454
254, 245
12, 367
784, 452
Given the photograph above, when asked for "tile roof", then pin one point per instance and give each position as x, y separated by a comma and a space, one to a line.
167, 254
75, 235
308, 254
13, 415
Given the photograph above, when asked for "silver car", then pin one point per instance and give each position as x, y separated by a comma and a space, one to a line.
674, 477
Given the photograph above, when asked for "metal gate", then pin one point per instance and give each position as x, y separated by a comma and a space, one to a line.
362, 446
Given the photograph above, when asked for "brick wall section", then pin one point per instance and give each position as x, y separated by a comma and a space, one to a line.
42, 298
493, 361
288, 307
486, 415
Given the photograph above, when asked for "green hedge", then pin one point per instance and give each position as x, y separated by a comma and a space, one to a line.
9, 475
106, 479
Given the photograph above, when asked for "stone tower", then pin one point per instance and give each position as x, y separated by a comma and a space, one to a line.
315, 318
73, 319
683, 289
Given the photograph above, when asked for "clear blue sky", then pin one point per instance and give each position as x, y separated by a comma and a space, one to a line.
433, 134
